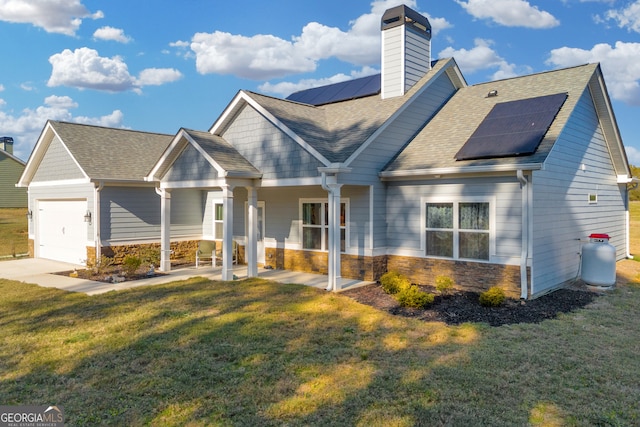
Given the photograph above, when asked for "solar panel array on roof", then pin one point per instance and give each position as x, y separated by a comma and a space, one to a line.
513, 128
342, 91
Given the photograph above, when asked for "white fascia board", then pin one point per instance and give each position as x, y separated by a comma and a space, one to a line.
395, 115
165, 156
38, 154
208, 183
243, 97
431, 173
59, 183
292, 182
231, 108
221, 171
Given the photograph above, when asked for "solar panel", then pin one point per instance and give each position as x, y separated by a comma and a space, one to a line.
513, 128
351, 89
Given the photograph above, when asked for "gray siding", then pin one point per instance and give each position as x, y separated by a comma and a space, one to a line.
131, 214
10, 172
374, 158
57, 164
562, 214
265, 146
189, 166
406, 225
417, 59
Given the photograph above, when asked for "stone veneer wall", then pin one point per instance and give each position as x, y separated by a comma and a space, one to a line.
474, 276
184, 250
352, 266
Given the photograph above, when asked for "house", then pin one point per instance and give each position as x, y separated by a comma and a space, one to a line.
410, 170
11, 168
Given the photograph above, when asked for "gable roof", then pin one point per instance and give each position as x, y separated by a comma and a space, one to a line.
334, 131
433, 150
101, 153
218, 152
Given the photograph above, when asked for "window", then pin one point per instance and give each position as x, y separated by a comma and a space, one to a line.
218, 220
459, 230
315, 228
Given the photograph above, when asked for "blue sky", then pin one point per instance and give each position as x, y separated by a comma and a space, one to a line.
159, 65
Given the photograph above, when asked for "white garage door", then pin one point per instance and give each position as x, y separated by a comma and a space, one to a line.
62, 232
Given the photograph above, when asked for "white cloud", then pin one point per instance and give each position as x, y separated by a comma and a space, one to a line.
266, 56
25, 128
84, 68
27, 86
620, 65
54, 16
628, 17
510, 13
113, 34
285, 89
633, 155
157, 76
481, 57
1, 88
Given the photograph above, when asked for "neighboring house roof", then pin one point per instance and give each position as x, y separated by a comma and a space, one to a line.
12, 157
433, 150
101, 153
335, 131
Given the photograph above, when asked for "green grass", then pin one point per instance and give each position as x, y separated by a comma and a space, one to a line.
13, 231
258, 353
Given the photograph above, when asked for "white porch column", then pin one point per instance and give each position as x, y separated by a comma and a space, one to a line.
165, 229
227, 233
334, 229
331, 186
251, 250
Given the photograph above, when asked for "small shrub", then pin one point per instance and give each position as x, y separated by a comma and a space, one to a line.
150, 256
130, 264
100, 266
492, 297
413, 297
393, 282
444, 284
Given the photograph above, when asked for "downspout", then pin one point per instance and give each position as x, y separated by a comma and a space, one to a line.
524, 255
331, 282
626, 215
96, 220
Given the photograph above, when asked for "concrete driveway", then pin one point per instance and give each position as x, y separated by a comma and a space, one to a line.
41, 272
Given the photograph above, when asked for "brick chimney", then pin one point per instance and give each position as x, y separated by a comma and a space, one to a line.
406, 50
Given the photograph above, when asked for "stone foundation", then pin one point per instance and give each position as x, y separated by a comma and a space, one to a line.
473, 276
466, 275
184, 251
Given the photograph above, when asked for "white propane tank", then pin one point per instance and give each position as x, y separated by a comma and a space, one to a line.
599, 261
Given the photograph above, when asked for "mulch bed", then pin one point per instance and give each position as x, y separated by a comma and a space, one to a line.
461, 307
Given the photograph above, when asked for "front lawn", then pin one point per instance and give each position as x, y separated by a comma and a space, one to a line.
13, 232
259, 353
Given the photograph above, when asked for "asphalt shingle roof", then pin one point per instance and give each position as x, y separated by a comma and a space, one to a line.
337, 130
112, 154
223, 153
438, 142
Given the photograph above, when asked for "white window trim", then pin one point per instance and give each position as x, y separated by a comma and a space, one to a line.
456, 201
213, 218
346, 227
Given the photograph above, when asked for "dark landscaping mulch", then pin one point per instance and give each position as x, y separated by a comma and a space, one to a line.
461, 307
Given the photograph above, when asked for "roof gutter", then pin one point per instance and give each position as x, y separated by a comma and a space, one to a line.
455, 170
